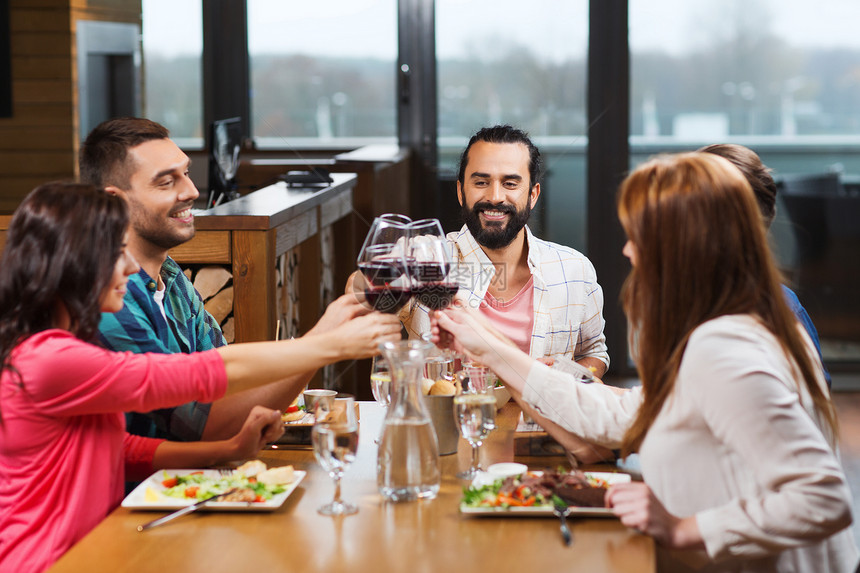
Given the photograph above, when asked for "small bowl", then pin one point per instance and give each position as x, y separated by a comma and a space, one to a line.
502, 395
311, 396
506, 469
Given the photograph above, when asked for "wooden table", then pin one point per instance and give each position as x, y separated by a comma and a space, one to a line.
416, 537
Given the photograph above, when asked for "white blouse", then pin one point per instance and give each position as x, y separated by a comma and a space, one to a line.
737, 444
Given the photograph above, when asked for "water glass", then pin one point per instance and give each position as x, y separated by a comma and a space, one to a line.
475, 413
476, 378
335, 441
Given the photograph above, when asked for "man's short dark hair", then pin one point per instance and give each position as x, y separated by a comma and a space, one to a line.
503, 134
104, 153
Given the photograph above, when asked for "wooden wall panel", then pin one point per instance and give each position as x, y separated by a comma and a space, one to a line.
32, 67
12, 139
38, 91
39, 142
31, 20
57, 44
36, 140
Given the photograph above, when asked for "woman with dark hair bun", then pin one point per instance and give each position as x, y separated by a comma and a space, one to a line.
64, 452
733, 422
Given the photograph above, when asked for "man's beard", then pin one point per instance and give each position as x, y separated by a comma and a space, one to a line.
496, 235
152, 230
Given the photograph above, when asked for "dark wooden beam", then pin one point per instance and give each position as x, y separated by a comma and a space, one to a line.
608, 161
226, 75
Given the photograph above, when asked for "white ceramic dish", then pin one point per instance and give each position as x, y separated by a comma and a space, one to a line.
137, 499
506, 469
544, 511
503, 395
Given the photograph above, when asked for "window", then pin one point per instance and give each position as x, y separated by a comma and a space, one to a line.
770, 68
776, 76
522, 63
173, 52
322, 73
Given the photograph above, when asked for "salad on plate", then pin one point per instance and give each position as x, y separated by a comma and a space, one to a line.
536, 492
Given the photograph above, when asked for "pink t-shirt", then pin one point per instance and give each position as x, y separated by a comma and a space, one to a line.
515, 317
63, 440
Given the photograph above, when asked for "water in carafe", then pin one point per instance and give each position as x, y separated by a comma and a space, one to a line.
407, 465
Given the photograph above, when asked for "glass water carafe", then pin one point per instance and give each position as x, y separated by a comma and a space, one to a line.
407, 466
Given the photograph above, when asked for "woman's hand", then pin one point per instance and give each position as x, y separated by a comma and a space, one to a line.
262, 426
638, 508
361, 336
457, 329
469, 333
342, 309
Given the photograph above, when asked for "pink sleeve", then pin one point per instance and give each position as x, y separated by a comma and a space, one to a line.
138, 454
81, 378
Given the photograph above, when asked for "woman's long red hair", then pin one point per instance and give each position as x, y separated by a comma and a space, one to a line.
701, 253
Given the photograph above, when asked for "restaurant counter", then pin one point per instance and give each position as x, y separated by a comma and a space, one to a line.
280, 247
417, 537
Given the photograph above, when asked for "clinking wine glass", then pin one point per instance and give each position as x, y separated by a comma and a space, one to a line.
386, 228
430, 266
383, 281
429, 260
335, 441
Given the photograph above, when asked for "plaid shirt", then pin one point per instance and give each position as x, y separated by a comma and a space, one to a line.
140, 327
568, 302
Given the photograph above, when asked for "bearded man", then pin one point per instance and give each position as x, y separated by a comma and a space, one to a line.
541, 295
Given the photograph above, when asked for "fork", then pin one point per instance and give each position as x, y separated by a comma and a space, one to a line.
562, 511
185, 510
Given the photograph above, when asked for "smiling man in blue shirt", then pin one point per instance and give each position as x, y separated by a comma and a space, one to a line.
134, 158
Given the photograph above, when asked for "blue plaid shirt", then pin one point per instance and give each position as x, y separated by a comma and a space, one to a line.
140, 327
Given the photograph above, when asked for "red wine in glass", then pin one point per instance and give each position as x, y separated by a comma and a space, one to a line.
382, 293
382, 271
387, 299
429, 272
435, 296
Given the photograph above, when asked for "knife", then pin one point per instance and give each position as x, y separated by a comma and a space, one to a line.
185, 510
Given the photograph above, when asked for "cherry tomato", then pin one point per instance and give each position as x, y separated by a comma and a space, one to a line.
170, 482
191, 491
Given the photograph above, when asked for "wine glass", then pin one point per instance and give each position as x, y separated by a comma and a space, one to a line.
387, 228
476, 418
430, 267
380, 381
481, 379
429, 262
383, 279
335, 441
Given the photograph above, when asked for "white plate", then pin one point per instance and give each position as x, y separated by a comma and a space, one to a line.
483, 479
137, 498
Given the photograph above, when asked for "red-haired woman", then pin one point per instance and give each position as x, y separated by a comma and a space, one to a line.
733, 422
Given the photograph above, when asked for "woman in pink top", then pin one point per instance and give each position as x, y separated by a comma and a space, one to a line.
63, 446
